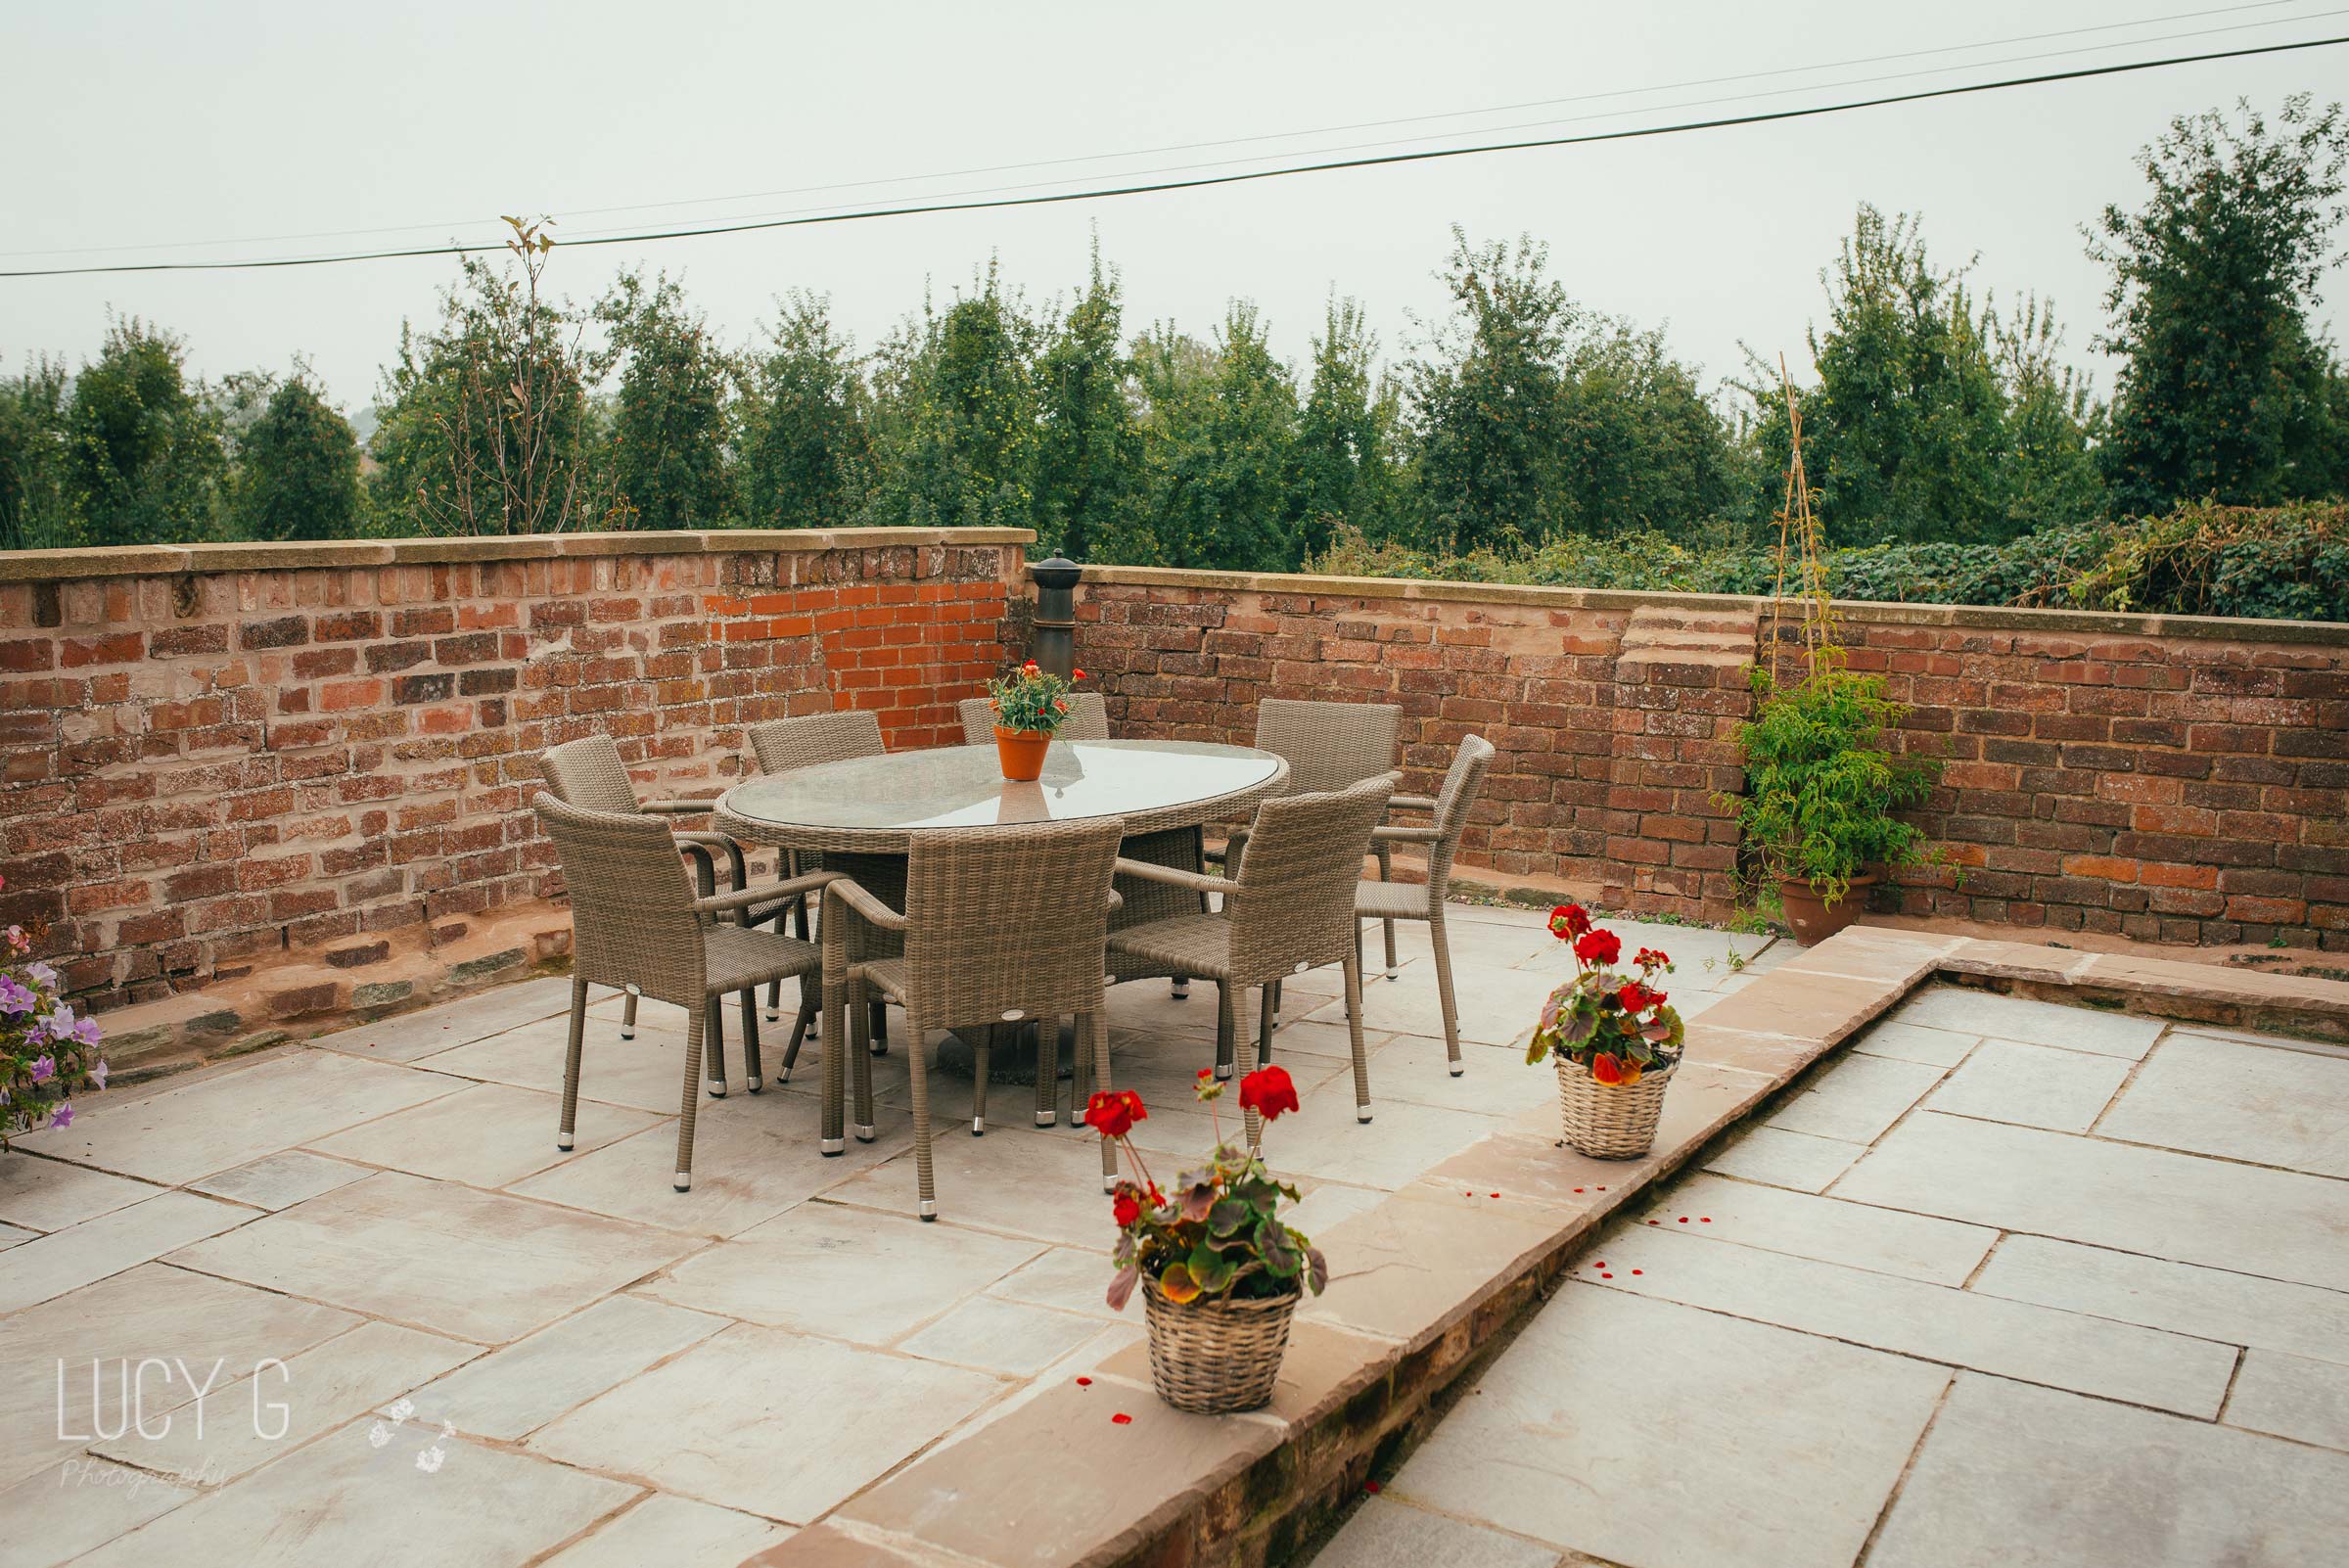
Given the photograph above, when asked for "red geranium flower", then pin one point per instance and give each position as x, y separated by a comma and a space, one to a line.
1637, 998
1113, 1113
1596, 946
1076, 675
1569, 920
1030, 668
1649, 958
1125, 1207
1268, 1092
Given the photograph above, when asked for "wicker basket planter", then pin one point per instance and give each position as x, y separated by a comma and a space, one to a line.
1610, 1121
1217, 1356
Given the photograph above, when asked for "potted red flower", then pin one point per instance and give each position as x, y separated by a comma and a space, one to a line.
1614, 1038
1219, 1274
1029, 706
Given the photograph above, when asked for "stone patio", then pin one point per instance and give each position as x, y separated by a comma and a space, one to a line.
589, 1360
2005, 1283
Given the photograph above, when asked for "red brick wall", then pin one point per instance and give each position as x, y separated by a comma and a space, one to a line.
234, 752
2164, 779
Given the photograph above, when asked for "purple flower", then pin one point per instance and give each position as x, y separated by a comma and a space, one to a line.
97, 1073
62, 1115
60, 1022
87, 1032
44, 1068
42, 974
13, 997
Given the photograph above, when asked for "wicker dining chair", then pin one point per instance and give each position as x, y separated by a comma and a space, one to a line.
1290, 910
588, 774
784, 746
637, 924
1001, 926
1448, 815
1088, 721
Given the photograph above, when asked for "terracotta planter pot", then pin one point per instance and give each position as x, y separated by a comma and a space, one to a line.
1814, 920
1215, 1356
1611, 1121
1022, 752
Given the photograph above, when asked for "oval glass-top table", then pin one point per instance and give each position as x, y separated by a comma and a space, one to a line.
862, 815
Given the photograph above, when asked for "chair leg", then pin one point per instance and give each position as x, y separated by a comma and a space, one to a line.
982, 1050
750, 1040
693, 1096
1442, 943
775, 1001
1223, 1029
627, 1017
1047, 1070
810, 1000
571, 1062
861, 1059
1354, 1031
880, 1011
927, 1205
1276, 998
836, 1030
1247, 1042
1093, 1045
1386, 873
714, 1034
1180, 988
1268, 1019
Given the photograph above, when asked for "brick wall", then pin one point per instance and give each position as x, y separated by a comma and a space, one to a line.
2166, 779
210, 755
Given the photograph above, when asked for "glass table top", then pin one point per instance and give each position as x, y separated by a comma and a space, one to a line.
963, 786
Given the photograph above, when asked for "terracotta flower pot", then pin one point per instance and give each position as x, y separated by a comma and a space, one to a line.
1022, 752
1814, 920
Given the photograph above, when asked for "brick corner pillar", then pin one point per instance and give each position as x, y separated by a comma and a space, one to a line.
1682, 683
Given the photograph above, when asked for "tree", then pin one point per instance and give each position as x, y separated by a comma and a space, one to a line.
1645, 449
2225, 392
1088, 447
806, 449
297, 469
142, 453
958, 417
1348, 438
1219, 449
35, 512
669, 429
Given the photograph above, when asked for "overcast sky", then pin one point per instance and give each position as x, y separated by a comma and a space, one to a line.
164, 125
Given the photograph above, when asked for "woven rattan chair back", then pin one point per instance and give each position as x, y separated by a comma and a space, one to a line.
784, 744
1089, 719
633, 921
1328, 746
1462, 783
588, 774
1011, 919
1294, 908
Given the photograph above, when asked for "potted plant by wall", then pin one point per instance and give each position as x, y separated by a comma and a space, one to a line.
1219, 1274
1029, 706
46, 1052
1613, 1037
1821, 790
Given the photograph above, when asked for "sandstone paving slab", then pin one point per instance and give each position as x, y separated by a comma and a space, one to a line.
839, 1544
243, 1424
340, 1499
846, 1273
1915, 1043
2292, 1396
1528, 1161
2208, 1303
1069, 1279
10, 1236
1329, 1203
2280, 1224
1498, 1006
2013, 1476
123, 1238
152, 1312
1854, 1097
182, 1134
512, 1391
1962, 1328
1794, 1159
1746, 1445
1689, 947
49, 1194
754, 1155
1386, 1534
488, 1136
1821, 1009
277, 1181
1967, 1010
78, 1505
1886, 1241
1008, 1338
672, 1533
767, 1421
1493, 1078
2240, 1101
436, 1256
1038, 1185
2033, 1086
406, 1036
1422, 1259
1322, 1139
644, 1073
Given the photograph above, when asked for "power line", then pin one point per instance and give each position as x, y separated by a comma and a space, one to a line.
1768, 116
1290, 135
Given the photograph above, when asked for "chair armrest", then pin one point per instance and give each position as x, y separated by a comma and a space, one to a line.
1410, 803
1403, 835
677, 807
849, 893
1175, 878
765, 892
1117, 900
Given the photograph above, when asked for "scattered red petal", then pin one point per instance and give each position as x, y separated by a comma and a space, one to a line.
1496, 1194
1606, 1277
1704, 1219
1370, 1486
1121, 1419
1602, 1263
1634, 1270
1683, 1218
1578, 1189
1085, 1382
1602, 1189
1655, 1222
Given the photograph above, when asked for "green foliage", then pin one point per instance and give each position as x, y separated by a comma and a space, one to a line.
35, 507
1349, 435
1218, 484
806, 447
957, 414
670, 432
2227, 392
1821, 785
1030, 699
1089, 449
142, 453
297, 465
